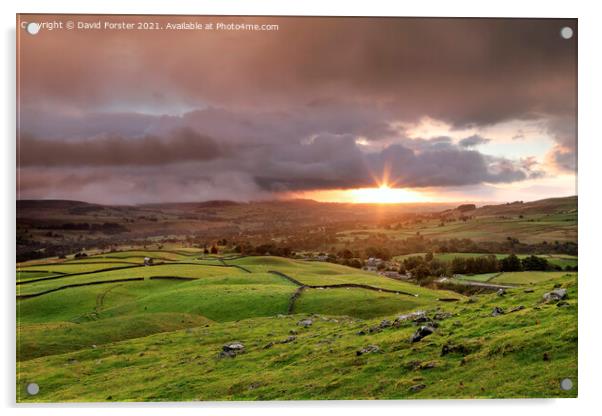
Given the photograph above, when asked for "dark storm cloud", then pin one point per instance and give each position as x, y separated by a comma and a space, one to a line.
564, 131
464, 71
194, 163
473, 141
278, 111
182, 145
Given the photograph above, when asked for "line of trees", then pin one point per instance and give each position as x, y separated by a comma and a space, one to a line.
425, 268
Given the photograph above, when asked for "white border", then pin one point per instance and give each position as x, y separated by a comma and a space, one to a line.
590, 94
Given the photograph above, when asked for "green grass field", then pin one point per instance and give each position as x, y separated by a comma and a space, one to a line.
532, 228
525, 278
158, 338
483, 277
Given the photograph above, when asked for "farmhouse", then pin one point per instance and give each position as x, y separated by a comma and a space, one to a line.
373, 264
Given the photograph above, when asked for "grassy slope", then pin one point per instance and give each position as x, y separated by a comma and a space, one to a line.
175, 269
74, 267
359, 302
220, 294
533, 228
504, 358
321, 273
524, 278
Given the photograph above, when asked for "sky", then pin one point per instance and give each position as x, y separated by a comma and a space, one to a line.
332, 109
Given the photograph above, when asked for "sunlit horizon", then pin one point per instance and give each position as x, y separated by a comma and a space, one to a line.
382, 194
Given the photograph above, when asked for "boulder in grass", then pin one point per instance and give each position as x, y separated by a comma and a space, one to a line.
555, 295
288, 339
417, 388
385, 324
305, 323
367, 350
232, 349
497, 311
440, 316
414, 316
422, 332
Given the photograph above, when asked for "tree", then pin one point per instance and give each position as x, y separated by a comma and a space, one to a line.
511, 264
458, 265
355, 263
421, 273
438, 268
214, 249
429, 256
345, 253
535, 263
410, 263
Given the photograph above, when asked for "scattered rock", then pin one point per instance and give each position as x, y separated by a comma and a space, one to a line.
501, 292
411, 316
268, 345
413, 365
497, 311
421, 318
528, 290
516, 309
292, 332
367, 350
440, 316
385, 324
471, 299
288, 339
562, 304
546, 356
455, 349
371, 330
421, 332
418, 365
232, 349
417, 387
305, 323
94, 346
427, 366
555, 295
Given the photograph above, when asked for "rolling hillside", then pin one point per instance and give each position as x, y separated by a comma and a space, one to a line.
307, 330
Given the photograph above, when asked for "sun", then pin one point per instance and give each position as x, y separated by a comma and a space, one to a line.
384, 194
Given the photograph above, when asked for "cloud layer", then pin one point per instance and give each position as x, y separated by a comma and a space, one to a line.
316, 105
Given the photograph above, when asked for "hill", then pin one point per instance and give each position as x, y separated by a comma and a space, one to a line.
197, 327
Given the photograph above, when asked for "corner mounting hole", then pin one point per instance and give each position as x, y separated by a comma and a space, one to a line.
566, 384
566, 32
33, 28
33, 389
